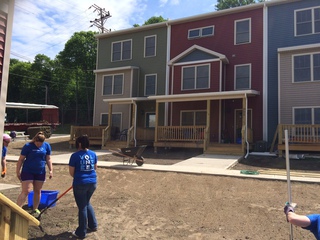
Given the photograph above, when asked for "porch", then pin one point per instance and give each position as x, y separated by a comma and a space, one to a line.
301, 137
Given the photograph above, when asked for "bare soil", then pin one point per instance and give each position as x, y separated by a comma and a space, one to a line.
137, 204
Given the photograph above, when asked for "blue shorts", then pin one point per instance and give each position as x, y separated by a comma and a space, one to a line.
25, 176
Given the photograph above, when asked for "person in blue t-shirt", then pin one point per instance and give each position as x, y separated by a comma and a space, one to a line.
82, 167
309, 222
33, 159
5, 144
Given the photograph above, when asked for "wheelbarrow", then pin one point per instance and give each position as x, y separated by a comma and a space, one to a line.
132, 155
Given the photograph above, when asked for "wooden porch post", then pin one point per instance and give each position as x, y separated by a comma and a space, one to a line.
109, 121
156, 126
133, 120
244, 124
206, 139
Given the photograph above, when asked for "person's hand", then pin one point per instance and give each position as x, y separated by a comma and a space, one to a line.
19, 176
50, 174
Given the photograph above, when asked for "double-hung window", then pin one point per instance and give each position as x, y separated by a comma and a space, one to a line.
150, 85
243, 77
242, 31
307, 21
195, 77
112, 84
150, 46
121, 50
306, 67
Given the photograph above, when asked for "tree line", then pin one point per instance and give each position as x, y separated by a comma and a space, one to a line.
67, 81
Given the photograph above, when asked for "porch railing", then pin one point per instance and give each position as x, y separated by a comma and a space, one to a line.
181, 133
300, 133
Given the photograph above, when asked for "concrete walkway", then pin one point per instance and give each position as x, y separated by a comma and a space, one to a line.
209, 164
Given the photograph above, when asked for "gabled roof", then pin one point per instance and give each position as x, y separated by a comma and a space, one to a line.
187, 52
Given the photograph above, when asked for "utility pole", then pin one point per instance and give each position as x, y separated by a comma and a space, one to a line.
103, 16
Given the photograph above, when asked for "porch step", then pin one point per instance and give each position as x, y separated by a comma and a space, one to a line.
224, 148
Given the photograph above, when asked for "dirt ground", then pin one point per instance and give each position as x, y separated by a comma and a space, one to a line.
137, 204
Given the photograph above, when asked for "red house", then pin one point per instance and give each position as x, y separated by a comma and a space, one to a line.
216, 81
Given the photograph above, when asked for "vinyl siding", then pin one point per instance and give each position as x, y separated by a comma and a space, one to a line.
303, 94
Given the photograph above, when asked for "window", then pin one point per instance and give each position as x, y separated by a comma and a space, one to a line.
310, 115
112, 84
150, 85
193, 118
243, 77
121, 50
195, 77
150, 46
307, 21
243, 31
306, 68
116, 120
201, 32
150, 120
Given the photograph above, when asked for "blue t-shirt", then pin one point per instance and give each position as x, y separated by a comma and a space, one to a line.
4, 151
35, 161
314, 227
83, 161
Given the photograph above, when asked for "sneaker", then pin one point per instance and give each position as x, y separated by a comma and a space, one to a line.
3, 173
36, 213
75, 235
92, 229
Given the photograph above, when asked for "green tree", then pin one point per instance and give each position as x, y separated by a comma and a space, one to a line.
225, 4
152, 20
78, 59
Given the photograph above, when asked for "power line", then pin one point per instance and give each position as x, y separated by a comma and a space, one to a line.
103, 16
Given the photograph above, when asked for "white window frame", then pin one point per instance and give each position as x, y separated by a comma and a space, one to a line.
112, 92
195, 79
235, 31
304, 107
200, 32
313, 21
147, 119
155, 84
155, 46
121, 51
311, 67
235, 75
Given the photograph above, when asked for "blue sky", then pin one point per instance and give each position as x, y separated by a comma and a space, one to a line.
44, 26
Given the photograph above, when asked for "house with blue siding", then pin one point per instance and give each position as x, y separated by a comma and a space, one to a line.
293, 65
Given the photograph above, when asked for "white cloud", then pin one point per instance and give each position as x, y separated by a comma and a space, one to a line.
44, 26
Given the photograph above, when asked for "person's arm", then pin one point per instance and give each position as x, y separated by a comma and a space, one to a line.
298, 220
71, 171
49, 163
19, 164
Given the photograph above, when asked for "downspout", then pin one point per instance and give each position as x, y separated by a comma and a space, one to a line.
246, 129
167, 72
